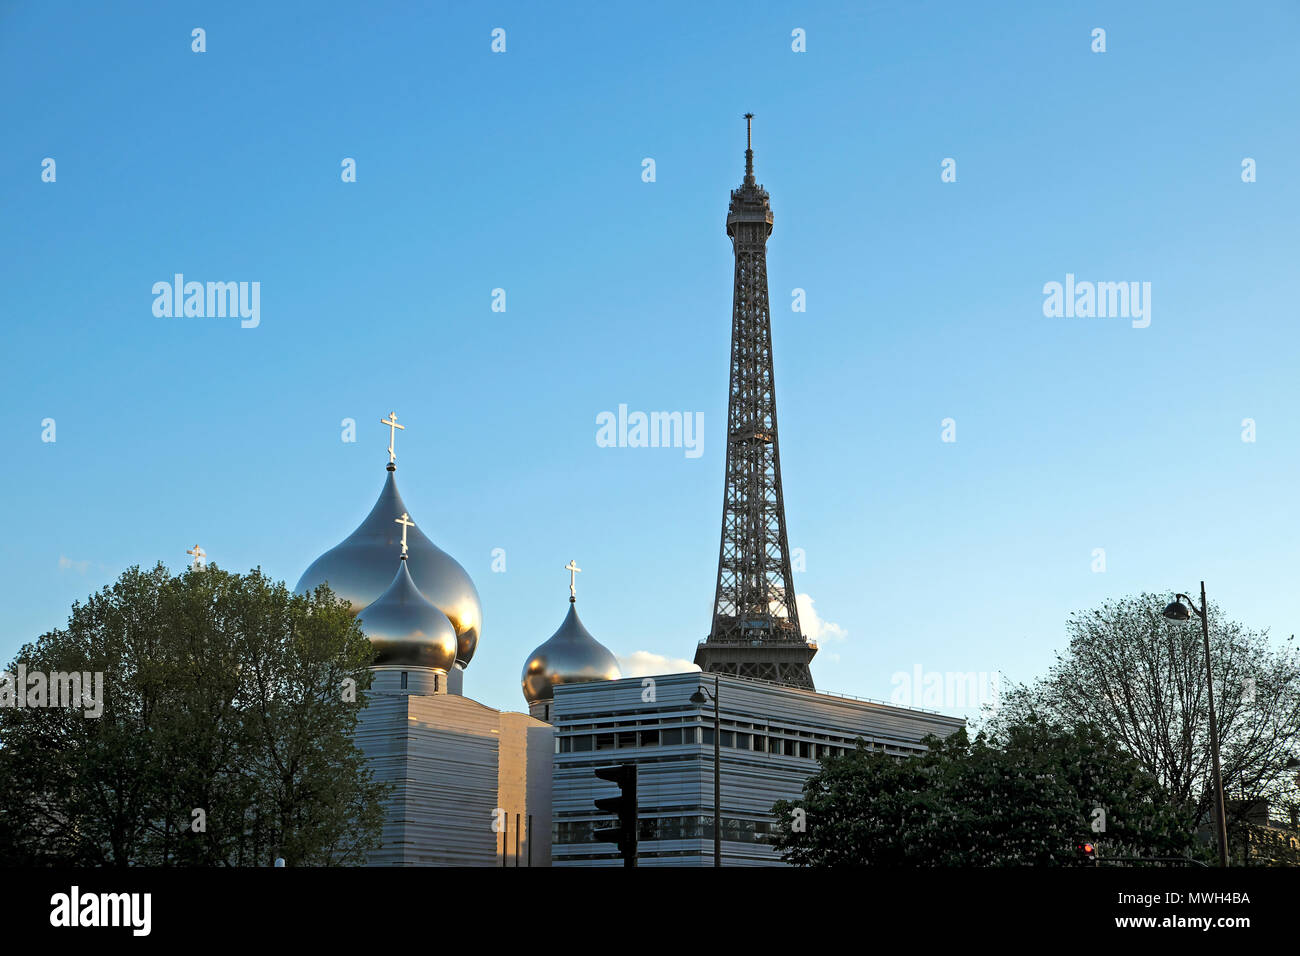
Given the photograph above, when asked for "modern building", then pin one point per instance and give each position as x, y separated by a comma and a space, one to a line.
772, 737
472, 783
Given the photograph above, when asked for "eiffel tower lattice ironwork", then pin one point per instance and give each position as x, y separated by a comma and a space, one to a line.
755, 629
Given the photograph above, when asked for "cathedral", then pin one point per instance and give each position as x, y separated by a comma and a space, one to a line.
471, 783
474, 786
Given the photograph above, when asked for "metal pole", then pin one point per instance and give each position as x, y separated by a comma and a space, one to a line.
717, 775
1214, 734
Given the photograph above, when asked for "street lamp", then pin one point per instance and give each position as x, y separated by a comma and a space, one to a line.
699, 699
1177, 611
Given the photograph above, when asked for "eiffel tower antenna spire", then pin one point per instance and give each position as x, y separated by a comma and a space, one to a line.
749, 149
755, 630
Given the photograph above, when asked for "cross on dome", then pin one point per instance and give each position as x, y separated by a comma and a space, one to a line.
406, 522
391, 422
573, 569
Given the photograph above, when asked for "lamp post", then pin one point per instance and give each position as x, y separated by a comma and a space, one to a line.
1177, 611
699, 699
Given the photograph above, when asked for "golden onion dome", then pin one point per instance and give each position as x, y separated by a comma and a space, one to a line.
359, 569
570, 656
407, 629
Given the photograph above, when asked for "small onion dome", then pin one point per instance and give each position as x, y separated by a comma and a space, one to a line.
570, 656
406, 628
357, 569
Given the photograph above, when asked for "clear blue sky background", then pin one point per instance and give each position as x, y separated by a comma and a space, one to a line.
523, 171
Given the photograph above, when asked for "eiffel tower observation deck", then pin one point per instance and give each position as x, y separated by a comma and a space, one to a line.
755, 630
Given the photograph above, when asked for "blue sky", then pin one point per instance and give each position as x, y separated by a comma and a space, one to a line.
523, 171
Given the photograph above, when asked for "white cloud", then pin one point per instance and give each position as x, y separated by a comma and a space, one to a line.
648, 664
66, 563
814, 628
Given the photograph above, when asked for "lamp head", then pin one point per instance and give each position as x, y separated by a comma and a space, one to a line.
1177, 611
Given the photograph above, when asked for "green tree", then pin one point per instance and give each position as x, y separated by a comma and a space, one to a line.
1025, 796
225, 736
1141, 678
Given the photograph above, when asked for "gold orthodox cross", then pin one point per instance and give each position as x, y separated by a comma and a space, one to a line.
573, 569
391, 422
406, 522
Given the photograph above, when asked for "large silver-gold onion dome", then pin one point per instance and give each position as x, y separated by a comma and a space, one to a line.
407, 629
570, 656
359, 569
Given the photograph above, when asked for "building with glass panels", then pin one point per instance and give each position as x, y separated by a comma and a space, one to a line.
771, 738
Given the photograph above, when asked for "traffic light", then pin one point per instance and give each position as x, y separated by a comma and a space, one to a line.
624, 809
1087, 854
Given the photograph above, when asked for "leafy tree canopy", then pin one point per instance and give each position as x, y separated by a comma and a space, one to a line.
1141, 679
1024, 795
228, 705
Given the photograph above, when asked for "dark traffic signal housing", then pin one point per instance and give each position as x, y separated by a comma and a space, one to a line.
624, 809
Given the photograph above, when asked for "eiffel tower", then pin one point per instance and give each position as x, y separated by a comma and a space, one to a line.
755, 622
